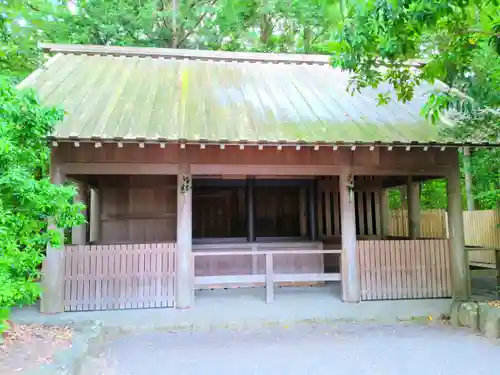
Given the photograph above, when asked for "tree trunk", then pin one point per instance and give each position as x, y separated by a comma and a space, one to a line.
266, 28
307, 39
175, 10
404, 201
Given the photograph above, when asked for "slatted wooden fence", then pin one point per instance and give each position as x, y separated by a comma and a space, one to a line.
404, 269
107, 277
433, 223
481, 228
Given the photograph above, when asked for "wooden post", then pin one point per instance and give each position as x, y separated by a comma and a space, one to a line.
468, 179
52, 297
497, 259
79, 232
313, 216
384, 212
413, 209
269, 278
95, 216
459, 267
250, 210
184, 271
350, 268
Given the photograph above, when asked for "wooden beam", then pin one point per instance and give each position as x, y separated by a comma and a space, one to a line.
413, 209
184, 283
350, 271
459, 267
120, 168
52, 298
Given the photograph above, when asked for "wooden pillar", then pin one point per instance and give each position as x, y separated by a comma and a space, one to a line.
79, 232
95, 216
350, 269
184, 271
250, 210
468, 179
52, 297
384, 212
413, 209
313, 215
459, 267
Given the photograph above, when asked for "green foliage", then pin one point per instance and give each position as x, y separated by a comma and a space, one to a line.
432, 196
409, 42
27, 197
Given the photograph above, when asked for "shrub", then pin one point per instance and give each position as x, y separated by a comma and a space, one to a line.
27, 197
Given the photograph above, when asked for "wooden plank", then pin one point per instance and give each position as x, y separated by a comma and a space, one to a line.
377, 230
229, 279
363, 269
320, 211
388, 269
303, 211
67, 274
369, 214
93, 277
328, 213
99, 277
197, 254
336, 212
417, 248
361, 213
303, 277
377, 257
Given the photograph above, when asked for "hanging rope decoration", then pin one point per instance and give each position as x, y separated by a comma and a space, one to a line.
350, 186
186, 184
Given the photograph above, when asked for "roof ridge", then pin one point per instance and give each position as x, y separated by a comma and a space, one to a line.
187, 54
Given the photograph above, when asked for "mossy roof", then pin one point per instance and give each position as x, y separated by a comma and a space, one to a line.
113, 95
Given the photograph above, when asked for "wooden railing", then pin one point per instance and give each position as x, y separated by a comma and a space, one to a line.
269, 277
104, 277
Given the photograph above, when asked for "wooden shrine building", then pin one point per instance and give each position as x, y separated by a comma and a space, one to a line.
206, 169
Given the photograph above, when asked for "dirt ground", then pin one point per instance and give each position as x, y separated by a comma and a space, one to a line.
25, 347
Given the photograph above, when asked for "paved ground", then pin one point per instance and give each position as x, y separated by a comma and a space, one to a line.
246, 306
344, 349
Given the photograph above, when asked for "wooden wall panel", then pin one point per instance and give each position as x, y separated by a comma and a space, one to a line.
404, 269
138, 209
366, 203
219, 212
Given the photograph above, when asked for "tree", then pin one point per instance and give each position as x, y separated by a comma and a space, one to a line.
408, 42
27, 197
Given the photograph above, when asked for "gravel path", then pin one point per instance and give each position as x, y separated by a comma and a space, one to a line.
344, 349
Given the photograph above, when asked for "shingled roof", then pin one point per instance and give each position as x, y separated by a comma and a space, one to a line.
127, 94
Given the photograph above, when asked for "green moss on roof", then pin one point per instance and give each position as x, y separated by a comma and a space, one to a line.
129, 97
